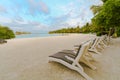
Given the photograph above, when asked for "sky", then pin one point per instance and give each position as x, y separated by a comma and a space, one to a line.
45, 15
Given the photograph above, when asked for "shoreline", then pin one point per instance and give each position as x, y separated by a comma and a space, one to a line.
46, 35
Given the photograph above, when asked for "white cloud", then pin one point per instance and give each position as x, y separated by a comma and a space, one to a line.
5, 19
37, 6
74, 15
2, 9
44, 7
74, 22
97, 2
30, 16
28, 25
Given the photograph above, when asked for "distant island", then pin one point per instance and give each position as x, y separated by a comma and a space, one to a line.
20, 33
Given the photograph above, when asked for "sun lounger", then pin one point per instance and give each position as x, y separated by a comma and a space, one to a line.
105, 39
102, 43
99, 44
72, 61
74, 51
95, 46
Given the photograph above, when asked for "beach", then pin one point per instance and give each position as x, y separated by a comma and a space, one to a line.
27, 59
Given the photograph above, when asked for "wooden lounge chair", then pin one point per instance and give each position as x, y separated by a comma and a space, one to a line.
99, 44
105, 40
72, 61
95, 46
74, 51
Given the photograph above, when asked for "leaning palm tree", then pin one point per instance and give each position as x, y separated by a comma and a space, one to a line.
96, 9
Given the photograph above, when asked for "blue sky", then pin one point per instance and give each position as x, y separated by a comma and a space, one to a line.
45, 15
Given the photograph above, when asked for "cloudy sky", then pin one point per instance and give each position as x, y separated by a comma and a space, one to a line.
45, 15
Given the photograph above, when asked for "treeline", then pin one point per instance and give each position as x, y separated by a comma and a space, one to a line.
106, 17
67, 30
6, 33
87, 28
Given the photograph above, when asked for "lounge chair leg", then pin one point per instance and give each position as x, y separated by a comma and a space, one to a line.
84, 74
75, 63
97, 52
100, 47
90, 58
94, 50
103, 44
79, 66
106, 43
89, 64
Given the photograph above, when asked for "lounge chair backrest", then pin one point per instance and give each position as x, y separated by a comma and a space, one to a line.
79, 47
87, 47
95, 42
92, 42
83, 49
78, 50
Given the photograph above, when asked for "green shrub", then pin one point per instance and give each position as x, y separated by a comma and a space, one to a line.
6, 33
114, 35
118, 31
98, 34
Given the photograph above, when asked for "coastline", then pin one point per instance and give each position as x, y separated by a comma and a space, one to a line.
37, 35
27, 59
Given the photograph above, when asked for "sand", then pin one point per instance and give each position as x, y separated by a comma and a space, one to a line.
27, 59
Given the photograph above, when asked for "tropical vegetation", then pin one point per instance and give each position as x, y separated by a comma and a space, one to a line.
67, 30
106, 17
6, 32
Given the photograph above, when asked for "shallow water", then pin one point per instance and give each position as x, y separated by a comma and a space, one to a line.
36, 35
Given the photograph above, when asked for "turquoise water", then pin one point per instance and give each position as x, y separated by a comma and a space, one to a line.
36, 35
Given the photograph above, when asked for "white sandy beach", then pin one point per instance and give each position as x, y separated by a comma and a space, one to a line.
27, 59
